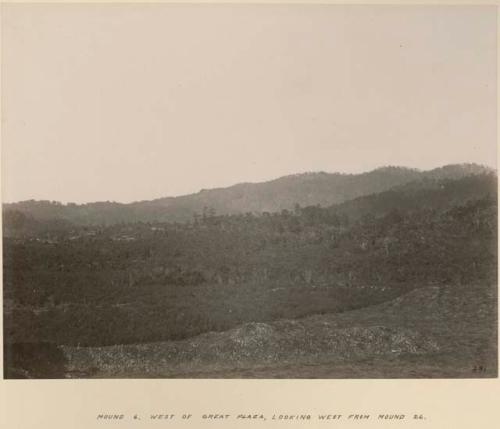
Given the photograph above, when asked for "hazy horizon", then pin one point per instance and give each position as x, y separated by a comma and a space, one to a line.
136, 102
255, 182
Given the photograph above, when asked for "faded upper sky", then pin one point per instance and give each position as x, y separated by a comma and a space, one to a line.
131, 102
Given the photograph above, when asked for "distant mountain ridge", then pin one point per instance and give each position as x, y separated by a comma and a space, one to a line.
284, 193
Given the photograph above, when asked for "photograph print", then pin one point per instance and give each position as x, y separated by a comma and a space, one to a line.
249, 191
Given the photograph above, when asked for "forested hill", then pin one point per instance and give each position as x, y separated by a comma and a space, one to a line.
427, 193
285, 193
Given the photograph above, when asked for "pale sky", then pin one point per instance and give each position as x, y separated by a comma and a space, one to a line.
134, 102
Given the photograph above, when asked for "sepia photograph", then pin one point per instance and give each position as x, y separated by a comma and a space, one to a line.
249, 191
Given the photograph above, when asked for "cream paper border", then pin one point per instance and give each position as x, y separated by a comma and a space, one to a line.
74, 404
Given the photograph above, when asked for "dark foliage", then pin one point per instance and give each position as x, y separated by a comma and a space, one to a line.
33, 360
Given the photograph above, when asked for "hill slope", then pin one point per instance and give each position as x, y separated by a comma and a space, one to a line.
307, 189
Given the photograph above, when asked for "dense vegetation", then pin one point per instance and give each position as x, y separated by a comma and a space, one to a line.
141, 282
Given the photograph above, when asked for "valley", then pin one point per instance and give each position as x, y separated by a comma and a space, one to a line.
399, 283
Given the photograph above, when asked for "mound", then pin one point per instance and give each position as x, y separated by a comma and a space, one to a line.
253, 345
